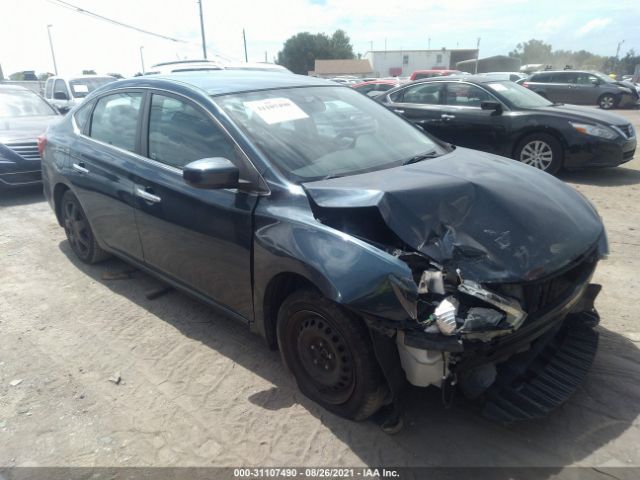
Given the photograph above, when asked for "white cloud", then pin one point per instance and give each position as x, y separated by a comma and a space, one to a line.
593, 25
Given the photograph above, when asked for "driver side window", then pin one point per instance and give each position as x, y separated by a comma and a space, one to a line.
179, 133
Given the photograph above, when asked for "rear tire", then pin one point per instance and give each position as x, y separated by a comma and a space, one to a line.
330, 355
79, 234
542, 151
607, 101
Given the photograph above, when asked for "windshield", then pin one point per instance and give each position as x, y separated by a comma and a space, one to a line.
318, 132
23, 103
81, 87
518, 96
604, 78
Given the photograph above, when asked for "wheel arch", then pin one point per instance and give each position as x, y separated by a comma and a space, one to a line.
278, 289
539, 129
58, 192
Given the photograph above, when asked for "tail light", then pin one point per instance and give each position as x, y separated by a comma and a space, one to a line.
42, 142
525, 84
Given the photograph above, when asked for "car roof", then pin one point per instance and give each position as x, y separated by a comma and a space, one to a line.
77, 77
9, 87
459, 78
221, 82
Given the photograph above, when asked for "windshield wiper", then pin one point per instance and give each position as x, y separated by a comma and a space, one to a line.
420, 157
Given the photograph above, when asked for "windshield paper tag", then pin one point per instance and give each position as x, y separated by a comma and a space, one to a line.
81, 87
498, 87
276, 110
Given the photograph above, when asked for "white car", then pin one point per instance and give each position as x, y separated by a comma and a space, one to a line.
66, 92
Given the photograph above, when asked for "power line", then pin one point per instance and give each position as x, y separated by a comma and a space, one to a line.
77, 9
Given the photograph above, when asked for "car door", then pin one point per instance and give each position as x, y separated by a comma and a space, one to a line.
420, 104
200, 238
587, 89
466, 124
102, 157
561, 88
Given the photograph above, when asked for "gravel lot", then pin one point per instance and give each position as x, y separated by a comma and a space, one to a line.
199, 389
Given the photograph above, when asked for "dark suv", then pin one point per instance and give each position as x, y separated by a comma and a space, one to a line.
582, 88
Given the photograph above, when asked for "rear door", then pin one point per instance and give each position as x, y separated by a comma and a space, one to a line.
200, 238
466, 124
421, 104
587, 89
102, 157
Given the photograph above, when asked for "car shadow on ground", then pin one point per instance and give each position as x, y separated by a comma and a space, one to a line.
21, 196
602, 177
597, 415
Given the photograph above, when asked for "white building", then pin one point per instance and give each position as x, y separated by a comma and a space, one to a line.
399, 63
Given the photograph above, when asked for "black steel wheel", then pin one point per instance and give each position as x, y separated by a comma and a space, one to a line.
78, 230
330, 354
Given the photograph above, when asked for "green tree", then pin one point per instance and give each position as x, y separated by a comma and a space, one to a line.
341, 45
533, 51
302, 50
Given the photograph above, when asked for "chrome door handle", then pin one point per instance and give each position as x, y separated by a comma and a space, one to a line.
80, 168
397, 110
446, 116
149, 197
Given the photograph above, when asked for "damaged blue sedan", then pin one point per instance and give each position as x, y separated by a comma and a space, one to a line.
369, 253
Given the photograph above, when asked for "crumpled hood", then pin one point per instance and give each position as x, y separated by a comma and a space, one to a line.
14, 129
496, 220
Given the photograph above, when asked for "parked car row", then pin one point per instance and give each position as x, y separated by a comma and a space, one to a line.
24, 115
368, 252
583, 88
507, 119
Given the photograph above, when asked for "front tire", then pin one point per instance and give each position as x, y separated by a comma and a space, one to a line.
79, 234
330, 355
542, 151
607, 101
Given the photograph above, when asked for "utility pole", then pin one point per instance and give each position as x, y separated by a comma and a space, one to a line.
265, 56
429, 43
204, 44
477, 54
244, 39
53, 55
142, 59
371, 42
618, 49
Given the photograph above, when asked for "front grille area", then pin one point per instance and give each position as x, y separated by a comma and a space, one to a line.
536, 296
627, 129
539, 295
27, 150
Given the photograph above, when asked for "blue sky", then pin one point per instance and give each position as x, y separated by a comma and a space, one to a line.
82, 42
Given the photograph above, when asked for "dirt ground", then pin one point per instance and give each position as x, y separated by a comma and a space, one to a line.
197, 389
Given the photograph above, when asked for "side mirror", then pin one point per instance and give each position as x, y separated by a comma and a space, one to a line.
595, 82
63, 110
60, 96
211, 173
496, 106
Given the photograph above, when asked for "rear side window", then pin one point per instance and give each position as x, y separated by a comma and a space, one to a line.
365, 88
179, 133
48, 89
424, 94
115, 120
466, 95
81, 117
541, 78
60, 87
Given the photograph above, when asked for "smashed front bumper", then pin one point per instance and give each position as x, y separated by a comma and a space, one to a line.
523, 373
